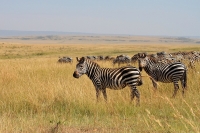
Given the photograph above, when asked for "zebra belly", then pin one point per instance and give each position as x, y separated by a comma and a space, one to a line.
114, 87
122, 84
171, 79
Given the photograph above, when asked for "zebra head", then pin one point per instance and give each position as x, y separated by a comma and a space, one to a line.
81, 67
142, 60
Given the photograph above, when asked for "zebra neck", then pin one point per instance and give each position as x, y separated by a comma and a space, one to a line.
93, 69
150, 66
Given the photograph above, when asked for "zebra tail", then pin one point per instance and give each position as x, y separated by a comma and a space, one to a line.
140, 68
185, 79
140, 81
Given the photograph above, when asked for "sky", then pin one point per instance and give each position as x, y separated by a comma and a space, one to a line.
129, 17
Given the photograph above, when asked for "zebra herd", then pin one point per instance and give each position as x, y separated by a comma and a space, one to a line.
160, 67
188, 58
163, 57
67, 59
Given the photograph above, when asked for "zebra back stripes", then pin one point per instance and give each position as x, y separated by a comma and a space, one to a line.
113, 78
166, 73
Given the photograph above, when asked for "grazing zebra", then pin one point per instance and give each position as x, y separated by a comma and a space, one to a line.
113, 78
122, 59
65, 60
166, 73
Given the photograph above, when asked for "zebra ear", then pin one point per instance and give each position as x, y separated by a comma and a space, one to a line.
144, 55
139, 54
82, 59
77, 59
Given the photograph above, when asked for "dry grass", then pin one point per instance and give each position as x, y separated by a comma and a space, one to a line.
37, 94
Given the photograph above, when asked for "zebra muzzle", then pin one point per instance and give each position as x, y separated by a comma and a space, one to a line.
75, 74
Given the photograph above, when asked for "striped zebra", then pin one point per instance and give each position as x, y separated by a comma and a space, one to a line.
113, 78
166, 73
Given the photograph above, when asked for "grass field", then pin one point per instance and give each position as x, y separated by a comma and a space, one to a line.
39, 95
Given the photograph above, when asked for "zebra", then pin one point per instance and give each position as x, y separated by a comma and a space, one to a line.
113, 78
134, 58
100, 57
122, 59
65, 60
109, 58
192, 56
166, 73
195, 57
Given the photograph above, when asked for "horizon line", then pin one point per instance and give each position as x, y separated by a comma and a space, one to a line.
50, 32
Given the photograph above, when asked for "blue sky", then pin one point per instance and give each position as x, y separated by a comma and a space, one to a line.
131, 17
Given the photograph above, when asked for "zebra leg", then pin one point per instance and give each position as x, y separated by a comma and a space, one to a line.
191, 64
184, 82
176, 87
154, 83
135, 92
104, 94
97, 94
132, 94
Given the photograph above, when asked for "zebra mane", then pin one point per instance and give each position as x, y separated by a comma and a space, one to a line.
150, 57
153, 59
83, 59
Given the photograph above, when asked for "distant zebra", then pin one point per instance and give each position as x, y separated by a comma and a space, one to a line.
166, 73
122, 59
65, 60
113, 78
100, 57
195, 57
134, 58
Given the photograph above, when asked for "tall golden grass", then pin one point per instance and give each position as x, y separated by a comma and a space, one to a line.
37, 94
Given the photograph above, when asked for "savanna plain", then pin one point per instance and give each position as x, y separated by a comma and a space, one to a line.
40, 95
